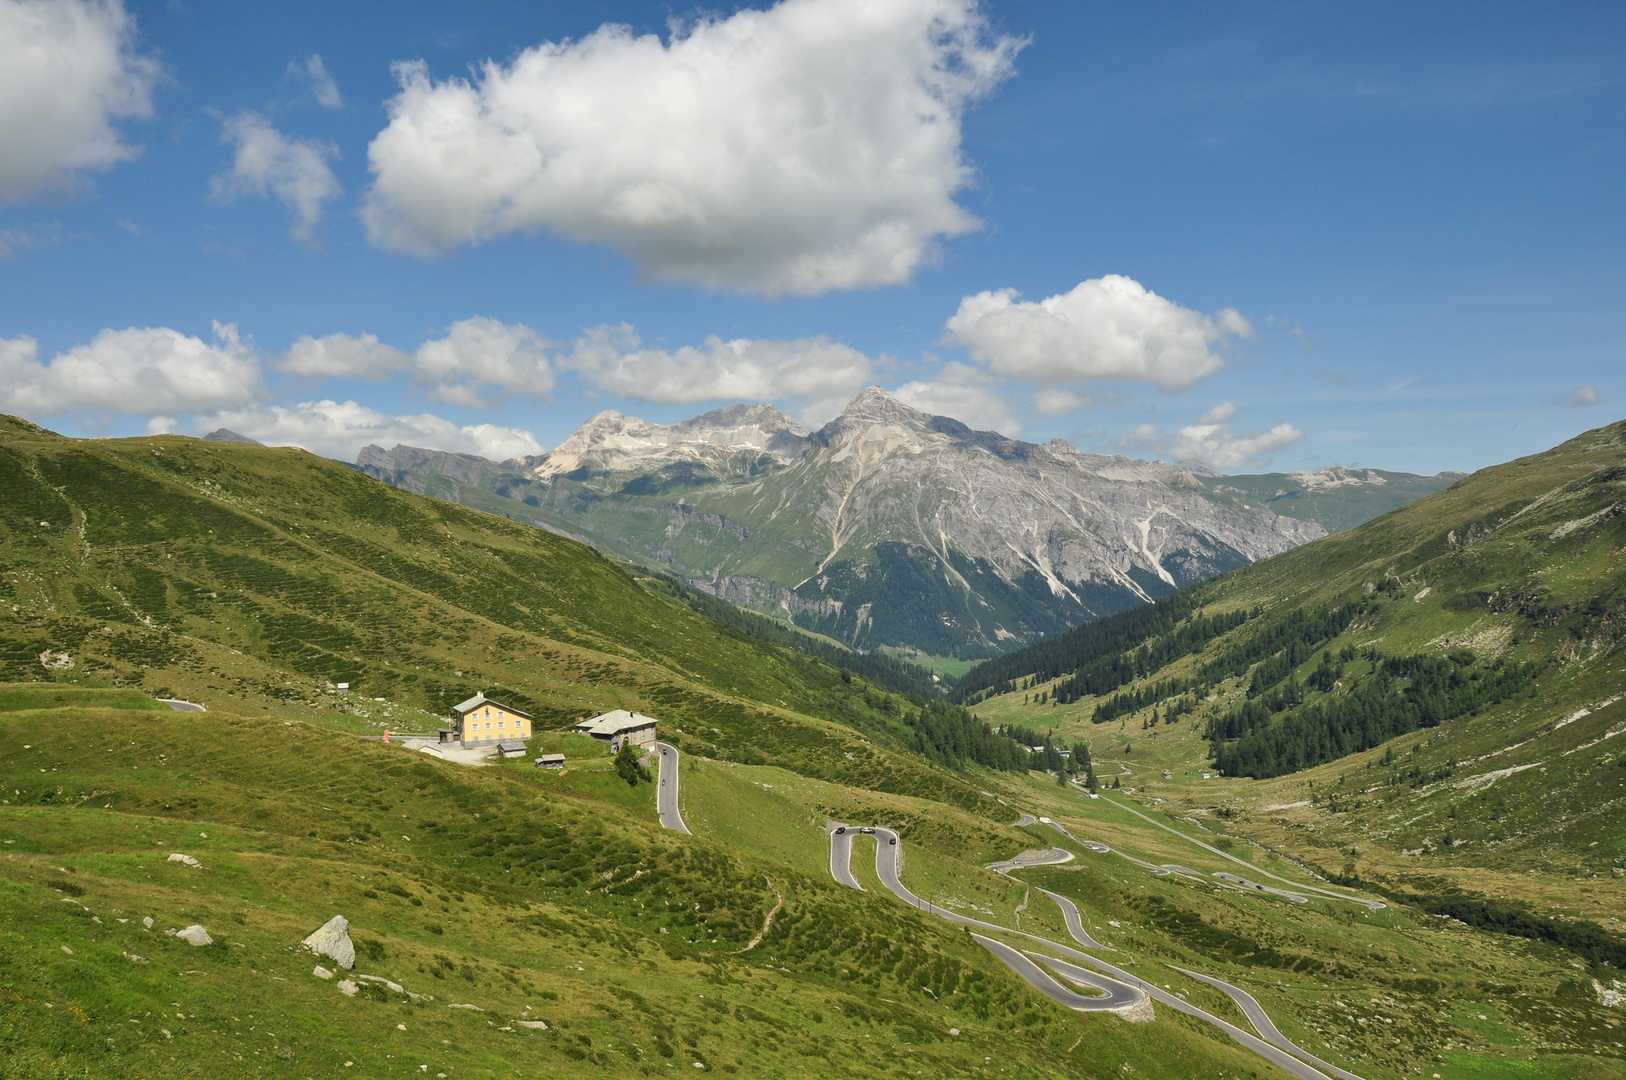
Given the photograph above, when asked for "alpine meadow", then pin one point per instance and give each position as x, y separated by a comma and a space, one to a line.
812, 540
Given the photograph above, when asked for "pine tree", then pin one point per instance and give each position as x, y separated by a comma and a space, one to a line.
629, 768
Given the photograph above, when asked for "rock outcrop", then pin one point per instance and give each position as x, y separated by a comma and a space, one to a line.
195, 935
332, 940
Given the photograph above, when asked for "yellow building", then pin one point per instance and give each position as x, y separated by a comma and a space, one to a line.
480, 721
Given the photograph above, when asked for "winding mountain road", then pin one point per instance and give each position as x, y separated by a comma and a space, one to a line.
1374, 905
666, 793
888, 862
1119, 990
1050, 858
1263, 1024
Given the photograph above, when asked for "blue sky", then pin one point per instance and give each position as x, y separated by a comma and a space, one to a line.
1258, 235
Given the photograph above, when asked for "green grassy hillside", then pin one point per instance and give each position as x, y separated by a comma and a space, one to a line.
1430, 703
250, 579
498, 889
223, 572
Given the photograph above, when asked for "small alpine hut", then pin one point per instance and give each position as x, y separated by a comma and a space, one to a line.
620, 726
480, 721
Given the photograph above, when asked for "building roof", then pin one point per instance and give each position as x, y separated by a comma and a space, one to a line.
465, 707
615, 722
551, 757
511, 746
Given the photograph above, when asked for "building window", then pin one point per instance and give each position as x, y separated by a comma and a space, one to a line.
499, 723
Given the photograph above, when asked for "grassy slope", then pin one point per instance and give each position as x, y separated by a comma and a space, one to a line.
220, 571
1522, 560
531, 896
1523, 801
303, 821
250, 578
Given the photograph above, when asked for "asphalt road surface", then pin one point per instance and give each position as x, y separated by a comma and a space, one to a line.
1263, 1024
1326, 893
1117, 995
1075, 922
182, 706
666, 792
1050, 858
841, 856
888, 863
1127, 989
1119, 988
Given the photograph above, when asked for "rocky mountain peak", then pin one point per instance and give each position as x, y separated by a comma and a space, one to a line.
613, 441
875, 406
228, 435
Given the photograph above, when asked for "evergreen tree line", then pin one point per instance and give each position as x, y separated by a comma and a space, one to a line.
952, 735
1301, 630
1134, 700
1082, 645
1172, 713
1106, 674
1402, 694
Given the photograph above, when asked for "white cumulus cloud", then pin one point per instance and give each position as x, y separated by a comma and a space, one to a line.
1212, 442
340, 429
68, 70
139, 371
480, 352
343, 356
268, 163
1110, 327
808, 147
819, 373
478, 362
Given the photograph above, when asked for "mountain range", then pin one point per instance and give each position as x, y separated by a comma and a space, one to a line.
891, 527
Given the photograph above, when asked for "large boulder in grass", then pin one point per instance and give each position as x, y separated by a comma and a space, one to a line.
195, 935
333, 941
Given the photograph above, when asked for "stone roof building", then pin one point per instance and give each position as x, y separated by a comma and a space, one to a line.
620, 726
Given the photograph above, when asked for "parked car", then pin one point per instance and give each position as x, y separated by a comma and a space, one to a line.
840, 829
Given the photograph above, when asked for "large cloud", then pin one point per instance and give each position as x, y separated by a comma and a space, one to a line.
68, 69
1212, 442
1107, 328
478, 362
140, 371
343, 356
819, 373
810, 147
480, 352
268, 163
340, 429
